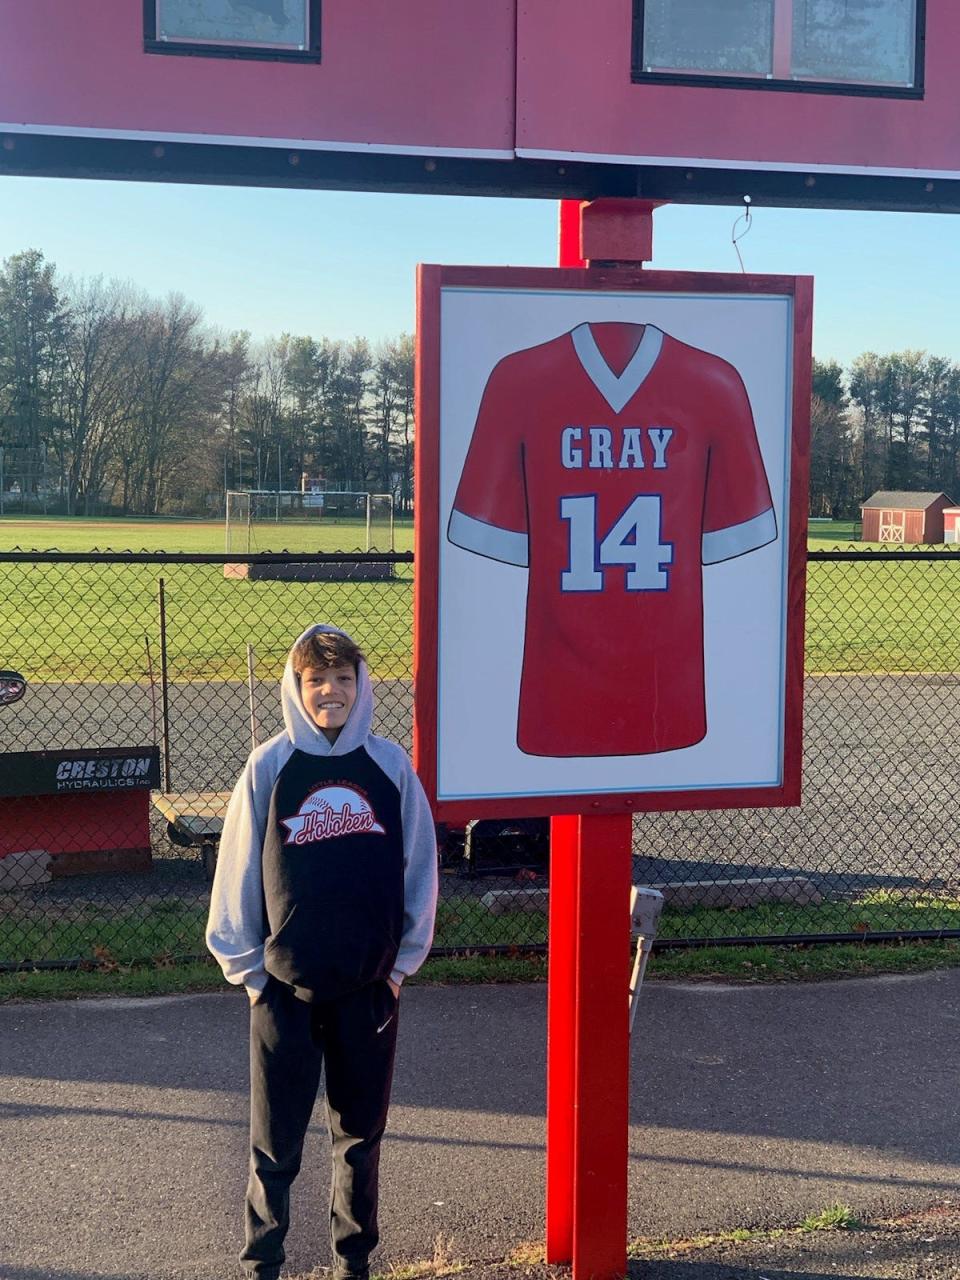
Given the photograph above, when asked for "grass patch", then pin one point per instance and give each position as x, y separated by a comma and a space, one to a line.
814, 963
836, 1217
741, 964
464, 923
148, 933
878, 911
142, 933
173, 977
153, 932
443, 1263
139, 980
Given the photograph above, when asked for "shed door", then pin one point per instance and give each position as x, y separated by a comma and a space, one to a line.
892, 526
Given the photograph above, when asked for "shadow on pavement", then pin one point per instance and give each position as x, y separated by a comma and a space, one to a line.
782, 1063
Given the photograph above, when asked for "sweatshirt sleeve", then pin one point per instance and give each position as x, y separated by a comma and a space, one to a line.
235, 926
419, 874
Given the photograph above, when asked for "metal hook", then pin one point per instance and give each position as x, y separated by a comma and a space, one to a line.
747, 219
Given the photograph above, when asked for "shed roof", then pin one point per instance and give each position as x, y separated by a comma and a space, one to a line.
901, 501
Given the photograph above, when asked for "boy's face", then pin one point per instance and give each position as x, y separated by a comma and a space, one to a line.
328, 694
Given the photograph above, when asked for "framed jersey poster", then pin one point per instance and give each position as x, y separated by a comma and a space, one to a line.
610, 539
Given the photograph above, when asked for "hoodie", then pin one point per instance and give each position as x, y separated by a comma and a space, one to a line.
327, 870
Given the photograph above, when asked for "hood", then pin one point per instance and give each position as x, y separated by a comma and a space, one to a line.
303, 733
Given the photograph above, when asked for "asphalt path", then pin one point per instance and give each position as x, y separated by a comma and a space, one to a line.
122, 1147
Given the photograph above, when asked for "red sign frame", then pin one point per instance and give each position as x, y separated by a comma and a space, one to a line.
431, 281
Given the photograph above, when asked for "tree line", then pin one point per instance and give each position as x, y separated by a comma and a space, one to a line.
888, 422
111, 400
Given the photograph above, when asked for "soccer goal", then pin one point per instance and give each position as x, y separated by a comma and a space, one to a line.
292, 520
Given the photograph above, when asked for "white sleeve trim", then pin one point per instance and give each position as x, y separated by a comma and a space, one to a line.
738, 539
488, 539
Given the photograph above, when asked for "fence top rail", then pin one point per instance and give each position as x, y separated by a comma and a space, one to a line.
884, 555
20, 556
202, 557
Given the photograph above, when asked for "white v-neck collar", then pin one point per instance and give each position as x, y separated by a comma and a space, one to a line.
617, 389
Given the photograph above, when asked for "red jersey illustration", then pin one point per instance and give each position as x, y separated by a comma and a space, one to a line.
613, 490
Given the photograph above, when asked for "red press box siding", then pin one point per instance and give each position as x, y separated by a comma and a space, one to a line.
951, 522
426, 74
575, 99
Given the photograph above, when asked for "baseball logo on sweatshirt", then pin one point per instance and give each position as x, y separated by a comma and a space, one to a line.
331, 810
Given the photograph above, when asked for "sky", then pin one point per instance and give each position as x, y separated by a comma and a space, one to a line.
341, 264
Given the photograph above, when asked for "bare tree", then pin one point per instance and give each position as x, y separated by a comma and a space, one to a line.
95, 394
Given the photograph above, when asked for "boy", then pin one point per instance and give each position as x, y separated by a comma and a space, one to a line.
323, 902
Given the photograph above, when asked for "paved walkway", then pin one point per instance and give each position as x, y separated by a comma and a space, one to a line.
122, 1143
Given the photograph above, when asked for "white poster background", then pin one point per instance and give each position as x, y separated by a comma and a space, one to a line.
482, 602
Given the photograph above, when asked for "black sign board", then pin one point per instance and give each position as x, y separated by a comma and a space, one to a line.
50, 773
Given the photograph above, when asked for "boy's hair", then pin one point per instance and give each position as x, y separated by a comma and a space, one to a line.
326, 649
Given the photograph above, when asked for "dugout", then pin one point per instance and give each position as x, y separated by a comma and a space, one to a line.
898, 516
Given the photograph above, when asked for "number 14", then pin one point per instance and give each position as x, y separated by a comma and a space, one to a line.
633, 540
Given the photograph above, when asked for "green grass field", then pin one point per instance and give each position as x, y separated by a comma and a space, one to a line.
90, 622
87, 622
80, 534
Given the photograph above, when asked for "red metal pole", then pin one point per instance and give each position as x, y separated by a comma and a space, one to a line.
562, 950
588, 1037
602, 1048
561, 1036
568, 248
588, 1044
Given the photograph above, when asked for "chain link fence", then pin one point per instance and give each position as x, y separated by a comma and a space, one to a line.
151, 675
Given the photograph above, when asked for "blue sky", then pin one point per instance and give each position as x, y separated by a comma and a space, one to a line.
340, 264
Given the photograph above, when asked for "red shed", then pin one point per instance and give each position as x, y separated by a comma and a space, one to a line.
904, 517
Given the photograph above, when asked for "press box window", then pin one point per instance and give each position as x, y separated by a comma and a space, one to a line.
287, 30
866, 45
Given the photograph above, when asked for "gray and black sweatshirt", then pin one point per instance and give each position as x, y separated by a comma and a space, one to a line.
327, 871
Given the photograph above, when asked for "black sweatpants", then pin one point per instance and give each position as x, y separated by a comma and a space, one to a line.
354, 1040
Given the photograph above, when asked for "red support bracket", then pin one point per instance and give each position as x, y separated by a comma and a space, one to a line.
606, 231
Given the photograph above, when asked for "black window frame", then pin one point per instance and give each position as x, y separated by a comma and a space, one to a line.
255, 53
716, 80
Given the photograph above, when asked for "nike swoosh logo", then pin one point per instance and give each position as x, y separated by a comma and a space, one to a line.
383, 1026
